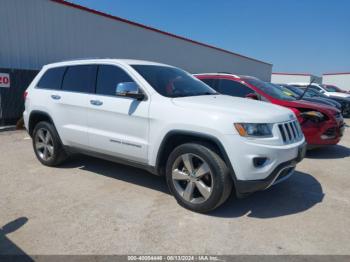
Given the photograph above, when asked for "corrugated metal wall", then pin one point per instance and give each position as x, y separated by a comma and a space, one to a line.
37, 32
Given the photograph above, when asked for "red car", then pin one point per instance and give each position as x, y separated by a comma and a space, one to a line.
321, 124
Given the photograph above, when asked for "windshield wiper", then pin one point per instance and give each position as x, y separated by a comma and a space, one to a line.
307, 88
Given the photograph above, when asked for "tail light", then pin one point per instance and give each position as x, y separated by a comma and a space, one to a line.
25, 94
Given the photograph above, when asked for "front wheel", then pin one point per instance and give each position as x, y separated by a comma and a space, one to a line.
198, 178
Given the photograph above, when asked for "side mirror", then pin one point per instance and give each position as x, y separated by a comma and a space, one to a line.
129, 89
252, 96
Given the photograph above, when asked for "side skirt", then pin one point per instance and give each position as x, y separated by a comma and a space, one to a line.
123, 161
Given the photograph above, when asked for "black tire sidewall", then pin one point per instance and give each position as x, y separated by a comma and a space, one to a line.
219, 173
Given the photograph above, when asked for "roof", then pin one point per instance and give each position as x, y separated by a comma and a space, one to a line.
303, 84
116, 18
342, 73
104, 60
216, 74
292, 74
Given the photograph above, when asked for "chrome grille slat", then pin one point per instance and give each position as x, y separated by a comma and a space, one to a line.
286, 127
290, 131
293, 131
296, 129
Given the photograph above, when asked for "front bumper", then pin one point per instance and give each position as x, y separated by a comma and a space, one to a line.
250, 175
324, 133
282, 172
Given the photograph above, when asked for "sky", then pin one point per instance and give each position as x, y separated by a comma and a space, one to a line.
296, 36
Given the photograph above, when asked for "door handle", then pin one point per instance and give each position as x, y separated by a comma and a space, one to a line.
55, 97
96, 102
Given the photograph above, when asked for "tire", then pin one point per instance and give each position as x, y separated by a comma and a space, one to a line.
47, 145
204, 188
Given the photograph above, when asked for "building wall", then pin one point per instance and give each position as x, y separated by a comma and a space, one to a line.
37, 32
293, 78
340, 80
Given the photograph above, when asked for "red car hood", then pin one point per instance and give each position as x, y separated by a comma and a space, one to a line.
309, 105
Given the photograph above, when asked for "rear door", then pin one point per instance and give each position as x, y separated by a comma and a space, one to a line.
72, 103
118, 126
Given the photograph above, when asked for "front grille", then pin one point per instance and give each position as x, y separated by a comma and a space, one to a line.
290, 131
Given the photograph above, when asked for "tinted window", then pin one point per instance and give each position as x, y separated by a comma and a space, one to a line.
52, 78
80, 79
233, 88
173, 82
315, 88
108, 77
210, 82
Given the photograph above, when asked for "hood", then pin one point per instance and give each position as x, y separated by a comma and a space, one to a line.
339, 99
241, 109
338, 94
323, 101
310, 105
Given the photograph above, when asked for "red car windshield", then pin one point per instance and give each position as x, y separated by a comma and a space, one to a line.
270, 89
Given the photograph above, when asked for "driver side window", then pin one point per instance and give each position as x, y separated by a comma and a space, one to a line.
233, 88
108, 77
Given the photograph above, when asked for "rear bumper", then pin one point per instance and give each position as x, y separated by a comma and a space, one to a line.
279, 174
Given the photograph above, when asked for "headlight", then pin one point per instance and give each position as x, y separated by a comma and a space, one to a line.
312, 114
254, 130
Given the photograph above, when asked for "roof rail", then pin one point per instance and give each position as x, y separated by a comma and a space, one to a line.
80, 59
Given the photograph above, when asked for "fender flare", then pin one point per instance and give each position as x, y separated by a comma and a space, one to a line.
199, 135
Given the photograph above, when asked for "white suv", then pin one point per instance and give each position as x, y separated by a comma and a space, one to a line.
164, 120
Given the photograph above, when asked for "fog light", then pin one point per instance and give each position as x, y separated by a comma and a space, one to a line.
259, 161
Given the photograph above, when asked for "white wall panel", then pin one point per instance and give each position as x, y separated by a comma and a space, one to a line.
340, 80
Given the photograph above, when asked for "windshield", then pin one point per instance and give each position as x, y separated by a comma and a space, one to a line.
270, 89
313, 93
173, 82
288, 91
295, 90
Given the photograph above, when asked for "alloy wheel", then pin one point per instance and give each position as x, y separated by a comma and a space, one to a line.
192, 178
44, 144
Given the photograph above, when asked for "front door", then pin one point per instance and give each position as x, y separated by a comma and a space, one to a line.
118, 126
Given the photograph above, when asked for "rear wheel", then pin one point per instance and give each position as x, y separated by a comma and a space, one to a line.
198, 178
47, 145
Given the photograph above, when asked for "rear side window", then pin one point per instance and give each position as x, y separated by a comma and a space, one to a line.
233, 88
52, 78
108, 77
210, 82
80, 78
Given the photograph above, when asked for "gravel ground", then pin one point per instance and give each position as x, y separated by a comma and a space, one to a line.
91, 206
